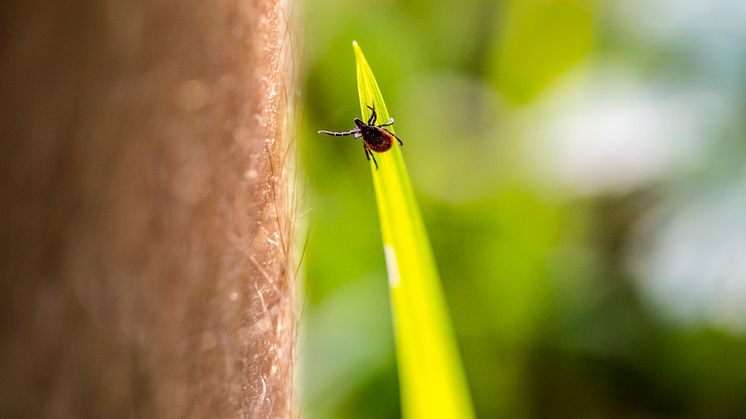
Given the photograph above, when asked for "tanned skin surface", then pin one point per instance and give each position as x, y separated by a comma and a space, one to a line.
145, 234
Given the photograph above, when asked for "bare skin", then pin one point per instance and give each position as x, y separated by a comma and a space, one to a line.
145, 231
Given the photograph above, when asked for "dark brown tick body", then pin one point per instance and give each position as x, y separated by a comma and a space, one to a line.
375, 137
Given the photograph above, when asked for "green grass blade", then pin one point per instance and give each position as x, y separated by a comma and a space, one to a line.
430, 373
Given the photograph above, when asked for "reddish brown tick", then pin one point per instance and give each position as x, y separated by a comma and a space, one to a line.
375, 137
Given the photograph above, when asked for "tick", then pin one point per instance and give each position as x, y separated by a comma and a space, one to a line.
375, 137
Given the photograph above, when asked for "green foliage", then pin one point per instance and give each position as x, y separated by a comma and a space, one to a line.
569, 296
541, 40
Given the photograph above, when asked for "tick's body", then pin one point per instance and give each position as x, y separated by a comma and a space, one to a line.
375, 137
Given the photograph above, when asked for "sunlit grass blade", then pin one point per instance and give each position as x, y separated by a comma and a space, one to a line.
430, 372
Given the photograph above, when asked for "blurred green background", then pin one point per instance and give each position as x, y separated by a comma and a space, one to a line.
581, 168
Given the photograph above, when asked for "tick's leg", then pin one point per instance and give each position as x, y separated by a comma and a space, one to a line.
339, 134
358, 135
372, 119
391, 122
369, 154
397, 138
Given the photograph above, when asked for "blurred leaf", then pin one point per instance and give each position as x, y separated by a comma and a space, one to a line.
540, 41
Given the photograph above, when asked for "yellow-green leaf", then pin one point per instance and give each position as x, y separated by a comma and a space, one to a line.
431, 376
